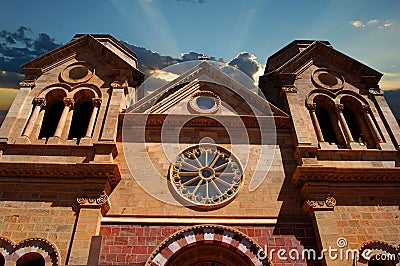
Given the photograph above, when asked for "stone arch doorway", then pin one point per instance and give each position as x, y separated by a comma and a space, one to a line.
208, 245
208, 255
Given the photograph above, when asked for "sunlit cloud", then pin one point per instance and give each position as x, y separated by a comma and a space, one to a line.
388, 23
373, 21
357, 23
390, 81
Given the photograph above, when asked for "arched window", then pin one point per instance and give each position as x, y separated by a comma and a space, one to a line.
31, 259
356, 122
328, 121
82, 113
53, 111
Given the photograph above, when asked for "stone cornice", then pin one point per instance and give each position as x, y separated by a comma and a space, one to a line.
54, 172
305, 174
202, 120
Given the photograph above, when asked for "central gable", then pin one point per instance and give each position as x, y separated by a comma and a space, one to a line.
205, 89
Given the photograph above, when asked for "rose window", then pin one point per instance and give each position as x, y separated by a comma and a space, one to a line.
206, 175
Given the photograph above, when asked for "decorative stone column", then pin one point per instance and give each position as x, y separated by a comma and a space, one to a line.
96, 105
68, 105
343, 123
312, 107
38, 103
367, 114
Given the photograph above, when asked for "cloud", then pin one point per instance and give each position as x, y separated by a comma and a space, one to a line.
357, 23
388, 23
22, 45
373, 21
248, 64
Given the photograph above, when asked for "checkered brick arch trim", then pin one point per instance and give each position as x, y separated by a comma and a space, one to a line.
207, 234
12, 252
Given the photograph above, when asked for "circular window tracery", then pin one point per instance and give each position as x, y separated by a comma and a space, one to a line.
327, 79
205, 102
206, 175
77, 73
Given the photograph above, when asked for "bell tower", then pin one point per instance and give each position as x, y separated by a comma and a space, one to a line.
347, 141
59, 140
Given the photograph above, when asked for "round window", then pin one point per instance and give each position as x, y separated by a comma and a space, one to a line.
205, 102
206, 175
77, 72
327, 79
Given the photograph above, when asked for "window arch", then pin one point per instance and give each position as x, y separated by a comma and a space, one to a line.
53, 111
355, 119
328, 120
83, 112
31, 259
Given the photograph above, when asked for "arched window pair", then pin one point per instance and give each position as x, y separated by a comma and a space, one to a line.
61, 116
343, 122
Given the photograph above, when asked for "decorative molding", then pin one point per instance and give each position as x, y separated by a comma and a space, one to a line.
304, 174
94, 201
28, 83
119, 84
289, 89
320, 203
107, 172
12, 252
211, 95
69, 102
96, 102
39, 101
375, 91
188, 220
311, 106
339, 107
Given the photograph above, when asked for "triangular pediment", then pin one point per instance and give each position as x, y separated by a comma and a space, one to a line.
121, 59
324, 55
205, 78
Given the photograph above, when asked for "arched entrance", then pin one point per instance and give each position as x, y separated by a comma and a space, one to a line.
207, 245
209, 255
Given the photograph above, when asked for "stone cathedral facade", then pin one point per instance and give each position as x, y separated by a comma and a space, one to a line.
203, 171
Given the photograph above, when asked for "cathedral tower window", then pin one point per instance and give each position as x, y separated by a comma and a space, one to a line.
54, 109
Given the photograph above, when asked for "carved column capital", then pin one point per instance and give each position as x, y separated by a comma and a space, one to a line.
119, 84
311, 106
39, 101
69, 102
339, 107
96, 102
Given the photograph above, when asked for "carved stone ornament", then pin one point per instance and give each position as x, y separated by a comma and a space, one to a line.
39, 101
27, 83
322, 204
93, 200
289, 89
